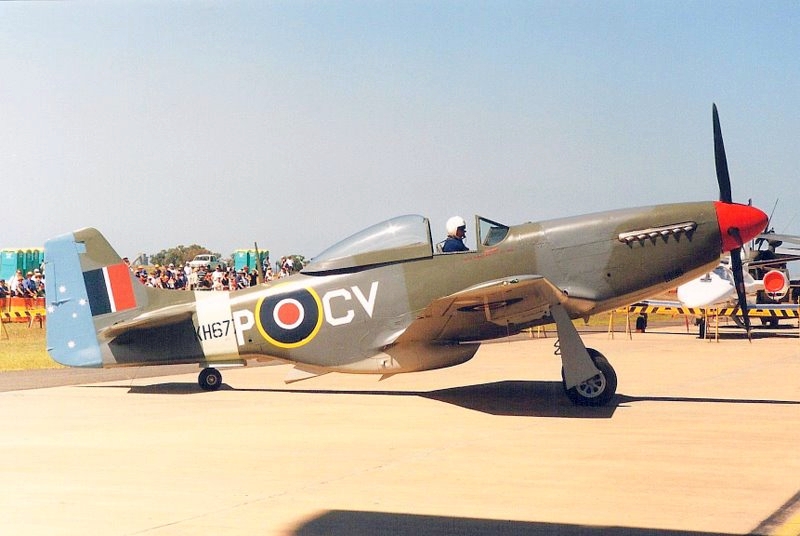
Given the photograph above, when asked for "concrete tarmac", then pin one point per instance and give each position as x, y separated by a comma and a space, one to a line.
702, 438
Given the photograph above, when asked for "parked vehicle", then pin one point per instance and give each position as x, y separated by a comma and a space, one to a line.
206, 259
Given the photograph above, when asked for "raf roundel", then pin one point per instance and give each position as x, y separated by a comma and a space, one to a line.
291, 319
288, 314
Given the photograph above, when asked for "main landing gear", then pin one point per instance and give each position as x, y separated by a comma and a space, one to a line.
586, 375
209, 379
597, 390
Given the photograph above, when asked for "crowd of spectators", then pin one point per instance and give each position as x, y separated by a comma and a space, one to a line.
186, 277
23, 286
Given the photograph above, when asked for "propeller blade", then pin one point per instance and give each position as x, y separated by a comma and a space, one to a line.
721, 161
738, 279
755, 220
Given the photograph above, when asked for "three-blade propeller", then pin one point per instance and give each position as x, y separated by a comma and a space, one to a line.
724, 180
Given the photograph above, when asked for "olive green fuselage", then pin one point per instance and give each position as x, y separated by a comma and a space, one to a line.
355, 310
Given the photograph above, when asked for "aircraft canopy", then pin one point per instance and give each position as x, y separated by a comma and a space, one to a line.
399, 239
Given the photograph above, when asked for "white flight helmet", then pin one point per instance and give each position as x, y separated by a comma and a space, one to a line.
454, 223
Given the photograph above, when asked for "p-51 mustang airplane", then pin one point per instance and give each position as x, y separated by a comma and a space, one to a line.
382, 301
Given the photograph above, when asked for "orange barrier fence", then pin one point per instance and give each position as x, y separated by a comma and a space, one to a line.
29, 310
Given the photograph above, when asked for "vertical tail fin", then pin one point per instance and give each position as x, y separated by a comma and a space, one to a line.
87, 287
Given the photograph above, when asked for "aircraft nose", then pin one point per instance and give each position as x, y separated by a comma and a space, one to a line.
748, 220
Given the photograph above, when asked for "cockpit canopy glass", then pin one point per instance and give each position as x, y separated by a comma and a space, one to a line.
491, 232
398, 239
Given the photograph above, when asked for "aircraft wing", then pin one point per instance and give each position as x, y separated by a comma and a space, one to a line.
780, 240
782, 258
485, 310
794, 239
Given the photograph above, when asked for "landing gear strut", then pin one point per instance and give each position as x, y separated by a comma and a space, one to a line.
209, 379
587, 377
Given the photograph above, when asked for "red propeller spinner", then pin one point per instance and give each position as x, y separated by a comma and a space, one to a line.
748, 220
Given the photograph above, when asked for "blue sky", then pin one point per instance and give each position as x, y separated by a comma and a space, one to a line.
295, 124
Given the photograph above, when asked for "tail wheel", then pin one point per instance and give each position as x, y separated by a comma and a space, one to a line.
597, 390
209, 379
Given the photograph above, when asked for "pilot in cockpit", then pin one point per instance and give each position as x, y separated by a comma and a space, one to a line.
456, 232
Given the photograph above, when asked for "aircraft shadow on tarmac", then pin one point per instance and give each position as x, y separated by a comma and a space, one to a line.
340, 522
513, 398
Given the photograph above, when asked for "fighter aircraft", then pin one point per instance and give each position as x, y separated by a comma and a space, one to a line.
384, 302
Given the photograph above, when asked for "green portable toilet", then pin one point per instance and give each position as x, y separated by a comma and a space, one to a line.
247, 257
11, 261
241, 258
8, 263
28, 263
36, 258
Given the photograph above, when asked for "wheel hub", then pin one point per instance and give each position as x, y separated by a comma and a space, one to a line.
592, 387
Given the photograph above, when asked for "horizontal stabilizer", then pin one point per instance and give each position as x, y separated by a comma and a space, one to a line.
162, 317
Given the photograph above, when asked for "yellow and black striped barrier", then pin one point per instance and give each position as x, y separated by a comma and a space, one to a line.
769, 314
788, 311
28, 317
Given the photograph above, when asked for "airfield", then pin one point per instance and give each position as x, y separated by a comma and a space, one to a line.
702, 438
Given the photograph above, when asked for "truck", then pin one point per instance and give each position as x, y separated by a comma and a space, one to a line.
206, 259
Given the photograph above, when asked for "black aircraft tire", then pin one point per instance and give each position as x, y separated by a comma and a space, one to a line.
209, 379
596, 391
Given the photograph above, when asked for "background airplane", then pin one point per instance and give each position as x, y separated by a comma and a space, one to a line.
773, 251
383, 302
718, 288
767, 283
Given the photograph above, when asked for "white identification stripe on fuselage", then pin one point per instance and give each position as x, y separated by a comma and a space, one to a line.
215, 329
